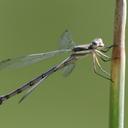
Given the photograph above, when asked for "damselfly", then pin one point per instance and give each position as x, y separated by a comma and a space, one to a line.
96, 48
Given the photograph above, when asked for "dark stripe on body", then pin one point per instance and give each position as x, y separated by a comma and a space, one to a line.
27, 85
79, 49
71, 59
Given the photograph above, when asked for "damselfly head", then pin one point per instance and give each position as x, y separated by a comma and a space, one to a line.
97, 43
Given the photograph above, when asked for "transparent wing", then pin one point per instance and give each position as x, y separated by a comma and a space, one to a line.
29, 59
66, 41
68, 69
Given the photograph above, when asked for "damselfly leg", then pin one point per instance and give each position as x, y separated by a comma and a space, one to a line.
106, 49
95, 64
102, 56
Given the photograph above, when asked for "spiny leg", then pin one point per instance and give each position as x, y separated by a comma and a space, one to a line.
103, 58
106, 58
95, 69
97, 61
102, 54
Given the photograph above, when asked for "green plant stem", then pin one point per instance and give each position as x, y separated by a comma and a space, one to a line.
117, 89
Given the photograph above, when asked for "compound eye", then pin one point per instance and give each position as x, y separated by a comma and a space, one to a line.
94, 43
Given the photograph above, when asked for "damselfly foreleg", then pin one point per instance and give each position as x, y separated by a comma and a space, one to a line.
108, 48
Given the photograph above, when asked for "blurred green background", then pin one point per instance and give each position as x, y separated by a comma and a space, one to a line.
32, 26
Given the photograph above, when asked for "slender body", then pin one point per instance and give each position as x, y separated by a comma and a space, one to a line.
37, 80
96, 48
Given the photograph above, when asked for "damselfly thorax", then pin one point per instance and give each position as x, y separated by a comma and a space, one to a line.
82, 50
